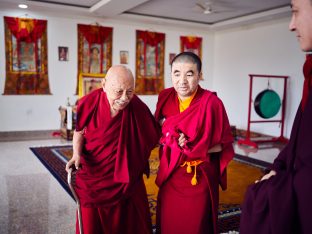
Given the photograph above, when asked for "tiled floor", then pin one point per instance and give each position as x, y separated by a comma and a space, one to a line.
32, 201
266, 151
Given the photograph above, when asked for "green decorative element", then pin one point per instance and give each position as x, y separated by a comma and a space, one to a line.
267, 104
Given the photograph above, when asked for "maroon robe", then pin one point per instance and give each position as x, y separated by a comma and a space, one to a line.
182, 207
115, 156
283, 204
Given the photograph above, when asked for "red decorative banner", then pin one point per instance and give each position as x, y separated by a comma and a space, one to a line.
94, 50
26, 56
150, 47
193, 44
95, 34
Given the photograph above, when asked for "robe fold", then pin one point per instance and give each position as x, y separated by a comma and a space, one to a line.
282, 204
182, 207
114, 157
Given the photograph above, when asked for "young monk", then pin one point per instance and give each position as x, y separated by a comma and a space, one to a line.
281, 202
196, 148
115, 133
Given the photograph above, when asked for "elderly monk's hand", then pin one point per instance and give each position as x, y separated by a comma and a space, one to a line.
75, 160
78, 140
267, 176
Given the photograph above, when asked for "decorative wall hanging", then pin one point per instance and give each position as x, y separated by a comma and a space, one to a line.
193, 44
150, 49
94, 50
26, 56
171, 57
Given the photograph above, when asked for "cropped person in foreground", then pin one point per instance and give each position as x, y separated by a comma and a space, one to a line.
281, 202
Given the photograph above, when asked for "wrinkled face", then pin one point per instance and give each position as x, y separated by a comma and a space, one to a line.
301, 22
185, 78
119, 87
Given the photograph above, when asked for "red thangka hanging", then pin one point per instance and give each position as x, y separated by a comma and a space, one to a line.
150, 49
94, 52
26, 56
192, 44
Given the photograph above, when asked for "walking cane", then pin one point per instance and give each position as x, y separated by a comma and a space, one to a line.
69, 174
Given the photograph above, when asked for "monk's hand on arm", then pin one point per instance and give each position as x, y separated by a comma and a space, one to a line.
182, 140
267, 176
215, 149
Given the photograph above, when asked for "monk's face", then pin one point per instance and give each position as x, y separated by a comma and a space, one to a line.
185, 78
301, 22
119, 87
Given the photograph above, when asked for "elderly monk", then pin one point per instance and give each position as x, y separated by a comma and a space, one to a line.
281, 202
115, 133
196, 148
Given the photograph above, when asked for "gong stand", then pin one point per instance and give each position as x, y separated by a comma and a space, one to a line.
281, 138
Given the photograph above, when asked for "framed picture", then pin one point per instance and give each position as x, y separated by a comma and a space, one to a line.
89, 83
171, 57
63, 53
124, 57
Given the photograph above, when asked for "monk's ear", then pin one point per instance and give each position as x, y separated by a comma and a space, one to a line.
200, 76
103, 83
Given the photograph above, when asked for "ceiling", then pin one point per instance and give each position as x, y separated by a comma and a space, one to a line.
209, 13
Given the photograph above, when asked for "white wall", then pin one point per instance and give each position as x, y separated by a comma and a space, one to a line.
40, 112
267, 48
228, 57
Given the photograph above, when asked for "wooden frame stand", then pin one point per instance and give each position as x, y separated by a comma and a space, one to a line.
281, 138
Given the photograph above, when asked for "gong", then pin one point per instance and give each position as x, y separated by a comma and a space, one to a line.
267, 104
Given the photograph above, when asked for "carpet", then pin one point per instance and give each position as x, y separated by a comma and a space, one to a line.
242, 171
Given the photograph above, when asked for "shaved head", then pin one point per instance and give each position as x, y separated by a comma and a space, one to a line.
119, 87
120, 73
188, 57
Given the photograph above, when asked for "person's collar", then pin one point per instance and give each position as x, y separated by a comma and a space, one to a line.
188, 98
184, 104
